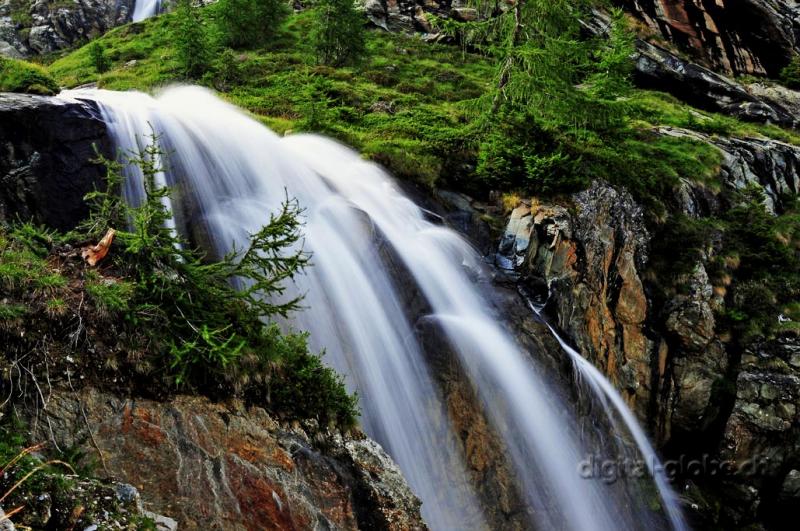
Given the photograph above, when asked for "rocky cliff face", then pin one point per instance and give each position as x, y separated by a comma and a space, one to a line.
215, 466
204, 465
733, 36
588, 255
36, 26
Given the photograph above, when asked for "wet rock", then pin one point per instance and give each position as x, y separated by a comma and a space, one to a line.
589, 254
214, 466
46, 149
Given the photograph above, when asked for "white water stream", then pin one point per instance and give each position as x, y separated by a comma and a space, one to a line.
145, 9
230, 172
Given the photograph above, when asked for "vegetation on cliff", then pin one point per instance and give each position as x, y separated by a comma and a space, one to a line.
155, 316
37, 493
22, 76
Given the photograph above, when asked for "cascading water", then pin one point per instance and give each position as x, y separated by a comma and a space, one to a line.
615, 408
145, 9
230, 172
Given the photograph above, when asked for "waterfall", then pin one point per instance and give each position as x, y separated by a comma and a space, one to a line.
614, 408
145, 9
372, 248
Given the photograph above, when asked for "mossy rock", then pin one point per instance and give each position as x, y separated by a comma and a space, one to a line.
21, 76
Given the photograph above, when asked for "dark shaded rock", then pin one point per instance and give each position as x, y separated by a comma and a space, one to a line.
659, 69
46, 149
762, 434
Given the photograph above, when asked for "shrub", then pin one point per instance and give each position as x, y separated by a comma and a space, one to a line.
250, 23
21, 76
516, 154
97, 55
338, 34
214, 334
191, 41
790, 75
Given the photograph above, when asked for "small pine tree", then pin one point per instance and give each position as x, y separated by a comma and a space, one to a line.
250, 23
191, 40
338, 34
98, 57
790, 75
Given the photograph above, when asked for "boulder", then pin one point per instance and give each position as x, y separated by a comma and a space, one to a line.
47, 146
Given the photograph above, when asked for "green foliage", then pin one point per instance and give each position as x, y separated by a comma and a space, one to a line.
423, 136
516, 154
97, 55
767, 267
21, 76
553, 89
20, 11
547, 69
209, 316
338, 34
790, 75
227, 70
250, 23
307, 385
10, 312
108, 294
23, 264
192, 42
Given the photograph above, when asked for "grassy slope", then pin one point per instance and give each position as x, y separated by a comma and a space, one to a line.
424, 84
407, 106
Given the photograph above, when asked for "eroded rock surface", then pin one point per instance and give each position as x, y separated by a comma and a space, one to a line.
736, 37
214, 466
588, 254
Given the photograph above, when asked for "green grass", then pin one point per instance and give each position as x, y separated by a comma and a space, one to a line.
109, 295
21, 76
663, 109
409, 105
427, 88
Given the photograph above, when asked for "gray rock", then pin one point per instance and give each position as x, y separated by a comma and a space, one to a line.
769, 164
163, 523
48, 27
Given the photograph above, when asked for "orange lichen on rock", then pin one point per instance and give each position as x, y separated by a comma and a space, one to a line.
94, 253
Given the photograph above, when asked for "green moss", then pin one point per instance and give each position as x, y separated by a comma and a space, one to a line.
21, 76
110, 295
10, 312
20, 11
